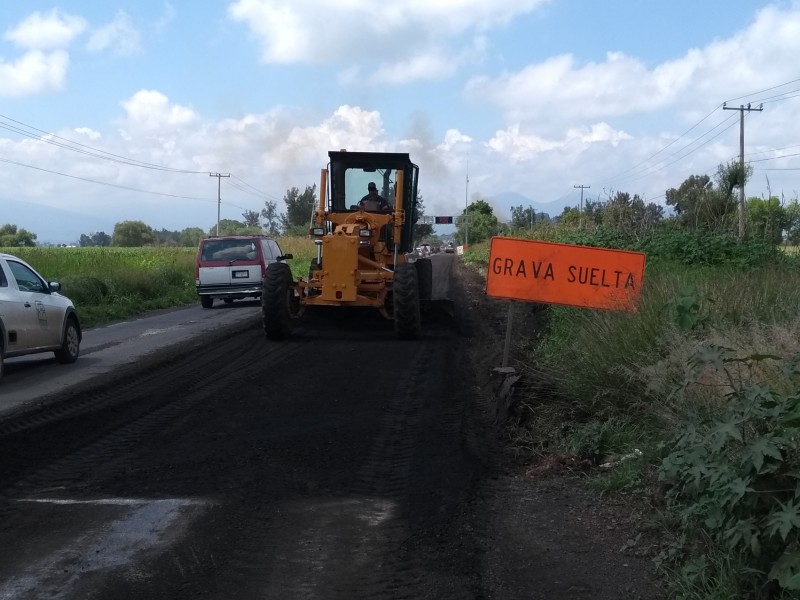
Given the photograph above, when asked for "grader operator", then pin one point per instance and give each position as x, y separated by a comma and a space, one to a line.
364, 244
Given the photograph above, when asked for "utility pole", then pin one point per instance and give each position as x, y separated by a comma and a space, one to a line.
466, 213
530, 208
219, 177
580, 210
742, 109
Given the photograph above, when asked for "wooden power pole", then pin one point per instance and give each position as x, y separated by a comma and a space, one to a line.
742, 109
219, 177
580, 210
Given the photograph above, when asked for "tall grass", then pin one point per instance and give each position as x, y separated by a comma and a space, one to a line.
619, 363
302, 249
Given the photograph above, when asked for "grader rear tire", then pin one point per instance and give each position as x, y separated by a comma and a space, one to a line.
276, 298
405, 294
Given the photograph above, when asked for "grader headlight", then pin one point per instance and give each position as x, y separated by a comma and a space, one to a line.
364, 236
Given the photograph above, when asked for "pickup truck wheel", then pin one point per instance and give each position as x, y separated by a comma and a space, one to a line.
70, 344
206, 301
276, 297
405, 300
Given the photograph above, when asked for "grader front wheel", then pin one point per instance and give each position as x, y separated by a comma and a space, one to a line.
276, 299
405, 294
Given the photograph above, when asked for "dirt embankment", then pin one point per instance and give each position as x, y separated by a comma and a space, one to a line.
548, 533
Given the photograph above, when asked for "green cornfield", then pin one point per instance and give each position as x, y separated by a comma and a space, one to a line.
107, 284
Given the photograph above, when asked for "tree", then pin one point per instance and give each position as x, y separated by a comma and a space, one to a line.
233, 227
689, 195
522, 218
11, 236
191, 236
100, 238
592, 213
299, 208
421, 230
699, 205
132, 234
481, 223
251, 218
731, 176
792, 211
269, 213
767, 218
569, 216
166, 237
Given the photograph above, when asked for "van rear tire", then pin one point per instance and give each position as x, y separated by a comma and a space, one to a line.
206, 301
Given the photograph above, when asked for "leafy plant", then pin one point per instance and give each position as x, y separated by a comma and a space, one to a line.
688, 310
737, 477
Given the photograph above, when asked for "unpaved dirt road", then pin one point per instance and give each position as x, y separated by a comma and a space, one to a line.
342, 463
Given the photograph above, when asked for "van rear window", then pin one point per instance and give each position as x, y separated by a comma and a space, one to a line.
229, 250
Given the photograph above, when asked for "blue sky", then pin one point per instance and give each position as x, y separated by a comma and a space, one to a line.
529, 97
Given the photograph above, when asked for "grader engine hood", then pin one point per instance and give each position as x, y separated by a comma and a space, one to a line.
341, 266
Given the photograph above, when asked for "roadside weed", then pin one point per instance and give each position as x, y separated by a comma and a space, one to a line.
736, 477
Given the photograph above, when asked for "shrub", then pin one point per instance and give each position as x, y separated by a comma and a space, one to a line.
736, 478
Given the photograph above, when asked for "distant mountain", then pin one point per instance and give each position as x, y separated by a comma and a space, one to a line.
504, 201
51, 225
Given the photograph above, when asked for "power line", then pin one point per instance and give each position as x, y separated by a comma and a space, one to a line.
769, 89
653, 169
114, 185
55, 140
657, 152
249, 189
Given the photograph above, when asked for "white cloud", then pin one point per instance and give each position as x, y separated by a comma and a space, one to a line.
150, 110
120, 35
44, 64
349, 127
89, 133
453, 138
623, 85
46, 31
167, 17
332, 31
35, 71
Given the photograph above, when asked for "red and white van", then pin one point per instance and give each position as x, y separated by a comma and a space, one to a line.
232, 267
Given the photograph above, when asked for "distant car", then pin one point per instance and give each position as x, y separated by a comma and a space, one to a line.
232, 267
34, 317
450, 249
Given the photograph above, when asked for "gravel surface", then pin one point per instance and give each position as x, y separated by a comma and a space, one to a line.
341, 463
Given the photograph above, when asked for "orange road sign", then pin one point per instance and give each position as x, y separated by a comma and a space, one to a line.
565, 274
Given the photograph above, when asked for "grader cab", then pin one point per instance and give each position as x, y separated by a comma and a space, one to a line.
363, 230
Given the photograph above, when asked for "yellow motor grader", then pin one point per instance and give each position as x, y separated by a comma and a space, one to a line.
363, 229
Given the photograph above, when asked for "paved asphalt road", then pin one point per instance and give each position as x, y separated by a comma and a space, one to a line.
31, 379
